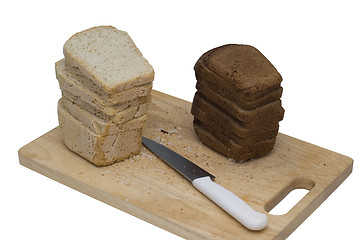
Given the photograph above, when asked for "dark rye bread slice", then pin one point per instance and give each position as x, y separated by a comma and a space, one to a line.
244, 66
230, 94
240, 148
240, 69
223, 121
212, 127
229, 89
232, 150
246, 118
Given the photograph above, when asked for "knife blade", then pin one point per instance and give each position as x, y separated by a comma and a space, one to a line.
202, 181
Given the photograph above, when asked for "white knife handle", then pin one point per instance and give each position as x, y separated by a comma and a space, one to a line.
232, 204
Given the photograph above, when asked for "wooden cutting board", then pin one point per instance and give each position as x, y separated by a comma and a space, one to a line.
147, 188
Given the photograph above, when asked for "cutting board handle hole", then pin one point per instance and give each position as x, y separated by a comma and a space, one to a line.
289, 196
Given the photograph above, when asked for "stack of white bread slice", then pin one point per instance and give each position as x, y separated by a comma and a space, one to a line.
106, 84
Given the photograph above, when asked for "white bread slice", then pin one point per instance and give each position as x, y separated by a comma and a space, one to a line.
71, 82
98, 125
117, 113
142, 109
97, 149
86, 81
109, 58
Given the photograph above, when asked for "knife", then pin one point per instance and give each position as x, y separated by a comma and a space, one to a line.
202, 181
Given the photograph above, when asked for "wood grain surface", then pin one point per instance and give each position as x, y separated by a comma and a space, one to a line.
147, 188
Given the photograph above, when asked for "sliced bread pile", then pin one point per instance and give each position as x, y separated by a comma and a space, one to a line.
105, 83
237, 106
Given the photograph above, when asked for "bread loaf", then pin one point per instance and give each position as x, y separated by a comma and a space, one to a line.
237, 106
106, 85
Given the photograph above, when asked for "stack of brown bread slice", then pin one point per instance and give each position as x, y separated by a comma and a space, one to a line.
237, 106
106, 84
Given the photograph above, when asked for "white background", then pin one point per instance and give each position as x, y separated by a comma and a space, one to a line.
313, 44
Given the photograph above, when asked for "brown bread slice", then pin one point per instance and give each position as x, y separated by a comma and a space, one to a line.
238, 148
212, 127
228, 84
246, 118
202, 86
234, 151
244, 66
223, 121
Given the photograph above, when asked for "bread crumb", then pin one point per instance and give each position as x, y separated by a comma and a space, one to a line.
130, 159
170, 131
124, 181
175, 130
189, 149
160, 171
